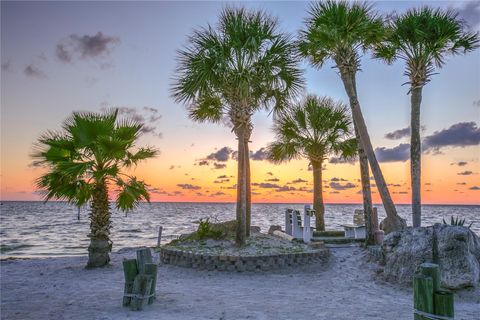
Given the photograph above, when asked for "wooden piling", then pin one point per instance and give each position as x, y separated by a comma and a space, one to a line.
143, 256
141, 289
151, 269
130, 271
443, 303
160, 229
432, 270
422, 295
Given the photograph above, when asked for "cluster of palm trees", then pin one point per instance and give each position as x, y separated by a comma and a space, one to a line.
245, 64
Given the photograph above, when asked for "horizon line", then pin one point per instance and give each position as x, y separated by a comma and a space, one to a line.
233, 202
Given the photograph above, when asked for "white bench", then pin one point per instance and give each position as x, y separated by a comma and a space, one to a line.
354, 231
293, 224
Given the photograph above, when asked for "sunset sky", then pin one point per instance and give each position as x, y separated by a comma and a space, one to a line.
59, 57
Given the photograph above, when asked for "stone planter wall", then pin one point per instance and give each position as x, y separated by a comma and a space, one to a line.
210, 262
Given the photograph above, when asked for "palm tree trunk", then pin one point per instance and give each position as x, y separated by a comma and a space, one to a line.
366, 192
249, 191
241, 189
100, 244
318, 205
415, 156
393, 222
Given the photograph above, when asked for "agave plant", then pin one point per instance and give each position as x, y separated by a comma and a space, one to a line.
457, 222
86, 159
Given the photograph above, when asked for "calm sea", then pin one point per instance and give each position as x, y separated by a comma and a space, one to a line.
33, 229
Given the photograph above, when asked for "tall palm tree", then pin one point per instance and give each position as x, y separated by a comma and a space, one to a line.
242, 65
84, 161
314, 129
423, 38
342, 31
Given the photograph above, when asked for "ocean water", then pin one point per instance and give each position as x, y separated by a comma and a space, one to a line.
35, 229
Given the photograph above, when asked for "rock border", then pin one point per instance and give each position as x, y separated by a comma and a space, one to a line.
210, 262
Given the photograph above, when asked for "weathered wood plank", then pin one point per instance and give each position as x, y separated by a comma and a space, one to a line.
444, 304
422, 295
130, 271
432, 270
143, 256
141, 289
151, 269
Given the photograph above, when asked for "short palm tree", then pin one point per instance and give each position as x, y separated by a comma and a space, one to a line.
423, 38
242, 65
314, 129
87, 158
342, 31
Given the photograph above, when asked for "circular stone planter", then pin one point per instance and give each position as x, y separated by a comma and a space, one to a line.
212, 262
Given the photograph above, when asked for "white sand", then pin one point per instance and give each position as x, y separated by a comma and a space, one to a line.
345, 288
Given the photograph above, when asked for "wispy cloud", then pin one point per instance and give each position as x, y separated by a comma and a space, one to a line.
398, 153
470, 12
34, 71
461, 134
340, 186
465, 173
188, 186
85, 47
7, 66
259, 155
398, 134
149, 117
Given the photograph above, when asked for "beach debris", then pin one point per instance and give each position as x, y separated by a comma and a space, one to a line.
274, 228
140, 280
283, 235
392, 224
455, 249
430, 301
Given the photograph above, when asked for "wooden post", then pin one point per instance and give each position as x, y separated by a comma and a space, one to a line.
78, 214
130, 271
141, 289
151, 269
432, 270
159, 235
143, 256
422, 296
443, 303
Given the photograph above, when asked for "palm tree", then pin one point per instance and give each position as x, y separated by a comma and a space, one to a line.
314, 129
423, 38
341, 31
231, 71
83, 161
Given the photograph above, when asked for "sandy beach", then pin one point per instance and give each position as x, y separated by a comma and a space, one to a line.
345, 288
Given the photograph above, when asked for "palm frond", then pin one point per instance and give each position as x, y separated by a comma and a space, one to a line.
423, 38
92, 147
314, 128
130, 193
339, 30
243, 61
